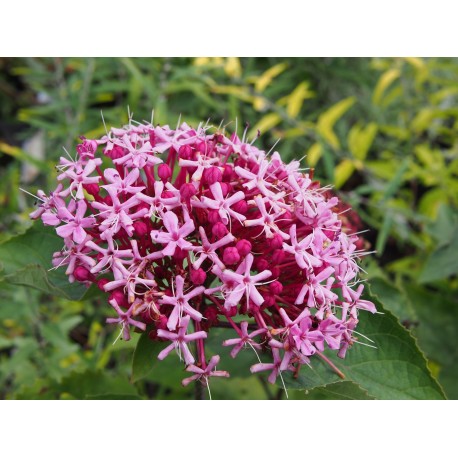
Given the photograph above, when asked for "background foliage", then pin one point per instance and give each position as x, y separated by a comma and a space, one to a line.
383, 131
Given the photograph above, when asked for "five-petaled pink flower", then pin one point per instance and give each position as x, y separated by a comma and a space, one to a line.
175, 235
180, 341
180, 303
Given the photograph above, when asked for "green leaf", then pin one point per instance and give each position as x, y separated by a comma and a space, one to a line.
396, 369
442, 263
145, 356
338, 391
26, 258
445, 225
384, 233
93, 384
114, 397
396, 181
437, 313
393, 299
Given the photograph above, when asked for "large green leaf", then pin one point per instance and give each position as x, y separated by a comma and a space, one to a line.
393, 299
436, 332
395, 370
337, 391
145, 357
26, 258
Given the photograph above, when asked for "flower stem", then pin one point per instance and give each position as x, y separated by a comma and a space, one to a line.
331, 365
199, 391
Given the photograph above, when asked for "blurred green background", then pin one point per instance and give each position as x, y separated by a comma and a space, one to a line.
384, 132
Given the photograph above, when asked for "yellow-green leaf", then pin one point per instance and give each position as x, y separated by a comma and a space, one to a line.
444, 93
360, 139
200, 61
266, 78
431, 201
422, 120
395, 131
420, 67
392, 95
259, 103
314, 154
343, 172
22, 156
233, 67
383, 83
327, 120
241, 93
416, 62
297, 97
266, 123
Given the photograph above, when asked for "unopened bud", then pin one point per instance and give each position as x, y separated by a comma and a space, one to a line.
164, 172
243, 247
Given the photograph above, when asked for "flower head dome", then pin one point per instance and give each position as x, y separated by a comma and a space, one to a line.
185, 229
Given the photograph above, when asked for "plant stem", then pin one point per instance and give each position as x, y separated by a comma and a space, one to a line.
331, 364
199, 391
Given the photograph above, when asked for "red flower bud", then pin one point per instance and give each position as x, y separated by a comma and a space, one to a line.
243, 247
219, 230
164, 172
185, 152
187, 190
231, 256
140, 228
198, 276
212, 175
276, 288
82, 274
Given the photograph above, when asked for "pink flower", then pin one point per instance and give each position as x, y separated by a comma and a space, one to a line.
200, 163
315, 291
76, 223
157, 203
109, 255
244, 339
221, 204
180, 341
304, 336
180, 302
138, 158
125, 319
79, 177
122, 185
245, 283
175, 235
267, 220
208, 250
204, 374
256, 180
117, 215
274, 367
304, 259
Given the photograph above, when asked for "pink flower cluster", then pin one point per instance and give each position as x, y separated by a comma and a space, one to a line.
188, 230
